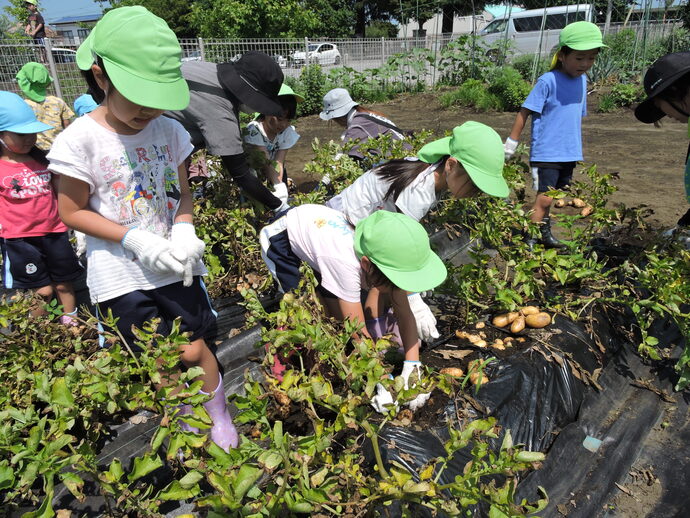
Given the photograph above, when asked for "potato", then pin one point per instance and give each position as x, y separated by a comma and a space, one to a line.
529, 310
476, 378
578, 203
560, 203
479, 325
512, 316
453, 371
521, 339
461, 334
508, 339
518, 325
498, 347
586, 211
500, 320
498, 341
539, 320
480, 343
474, 338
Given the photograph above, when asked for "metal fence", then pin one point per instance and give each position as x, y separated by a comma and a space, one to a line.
291, 54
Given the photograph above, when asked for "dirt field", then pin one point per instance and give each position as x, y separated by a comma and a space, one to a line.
649, 160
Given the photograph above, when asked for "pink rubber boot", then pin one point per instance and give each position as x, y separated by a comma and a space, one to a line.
223, 432
186, 410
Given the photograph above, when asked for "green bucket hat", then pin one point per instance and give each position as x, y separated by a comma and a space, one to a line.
581, 36
480, 151
286, 90
33, 78
141, 57
399, 246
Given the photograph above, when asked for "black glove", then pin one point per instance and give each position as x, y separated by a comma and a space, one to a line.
684, 221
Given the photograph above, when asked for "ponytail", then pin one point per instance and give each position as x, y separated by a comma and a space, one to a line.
401, 173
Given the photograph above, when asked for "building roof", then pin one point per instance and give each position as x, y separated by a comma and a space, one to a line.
77, 19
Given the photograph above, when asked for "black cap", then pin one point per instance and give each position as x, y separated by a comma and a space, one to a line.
662, 74
255, 79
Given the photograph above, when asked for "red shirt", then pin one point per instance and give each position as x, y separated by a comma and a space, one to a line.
28, 205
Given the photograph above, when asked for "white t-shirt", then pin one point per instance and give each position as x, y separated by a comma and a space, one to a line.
367, 194
133, 181
321, 237
256, 135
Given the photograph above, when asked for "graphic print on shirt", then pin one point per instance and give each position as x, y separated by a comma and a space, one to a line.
338, 224
27, 184
144, 187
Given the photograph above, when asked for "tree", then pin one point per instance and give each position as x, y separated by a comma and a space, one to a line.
419, 10
271, 18
176, 13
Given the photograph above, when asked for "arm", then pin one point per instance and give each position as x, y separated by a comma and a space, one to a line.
237, 166
519, 124
266, 164
406, 324
185, 209
73, 199
39, 26
279, 168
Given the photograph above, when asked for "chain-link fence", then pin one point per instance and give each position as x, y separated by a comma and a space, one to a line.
359, 55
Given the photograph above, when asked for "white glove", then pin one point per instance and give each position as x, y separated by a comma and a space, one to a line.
509, 147
382, 399
426, 321
154, 252
80, 237
187, 248
281, 192
535, 178
414, 368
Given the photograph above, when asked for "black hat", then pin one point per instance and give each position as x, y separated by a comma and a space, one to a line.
255, 80
662, 74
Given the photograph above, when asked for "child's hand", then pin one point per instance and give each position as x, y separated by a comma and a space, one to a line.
154, 252
425, 319
509, 148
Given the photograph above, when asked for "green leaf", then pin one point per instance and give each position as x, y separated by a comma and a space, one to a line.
159, 437
45, 511
270, 459
74, 483
6, 475
278, 434
190, 479
246, 476
175, 491
144, 465
60, 394
529, 456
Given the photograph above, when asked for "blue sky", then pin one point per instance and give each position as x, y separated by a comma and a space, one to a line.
53, 9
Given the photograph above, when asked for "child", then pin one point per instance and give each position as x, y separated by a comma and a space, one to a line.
465, 164
386, 250
667, 84
124, 185
36, 251
557, 104
273, 136
359, 122
33, 79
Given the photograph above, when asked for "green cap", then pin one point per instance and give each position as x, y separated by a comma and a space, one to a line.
32, 2
33, 79
399, 246
480, 151
141, 57
286, 90
581, 36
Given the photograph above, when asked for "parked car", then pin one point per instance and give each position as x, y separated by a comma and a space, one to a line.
524, 28
319, 53
281, 60
191, 55
61, 55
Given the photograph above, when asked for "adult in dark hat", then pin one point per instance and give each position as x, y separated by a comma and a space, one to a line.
218, 92
667, 84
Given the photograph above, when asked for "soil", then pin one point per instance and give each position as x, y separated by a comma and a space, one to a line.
649, 160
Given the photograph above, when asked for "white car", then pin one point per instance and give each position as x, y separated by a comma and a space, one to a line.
319, 53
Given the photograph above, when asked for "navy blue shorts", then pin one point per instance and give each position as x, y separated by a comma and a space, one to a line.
34, 262
167, 303
281, 260
550, 179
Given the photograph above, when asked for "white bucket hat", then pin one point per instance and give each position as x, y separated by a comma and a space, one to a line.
336, 103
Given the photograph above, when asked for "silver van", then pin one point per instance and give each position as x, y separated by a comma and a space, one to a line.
535, 30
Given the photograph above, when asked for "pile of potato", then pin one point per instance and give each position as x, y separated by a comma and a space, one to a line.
479, 340
530, 316
585, 211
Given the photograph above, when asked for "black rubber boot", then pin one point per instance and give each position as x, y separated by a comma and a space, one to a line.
547, 238
529, 239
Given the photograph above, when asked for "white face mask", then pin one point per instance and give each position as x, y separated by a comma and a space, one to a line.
246, 109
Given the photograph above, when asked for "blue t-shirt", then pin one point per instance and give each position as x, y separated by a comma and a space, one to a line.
559, 102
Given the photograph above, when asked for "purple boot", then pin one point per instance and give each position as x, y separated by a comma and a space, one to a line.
223, 432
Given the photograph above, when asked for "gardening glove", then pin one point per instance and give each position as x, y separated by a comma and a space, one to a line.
153, 251
80, 238
187, 248
281, 192
382, 399
509, 148
426, 321
414, 369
